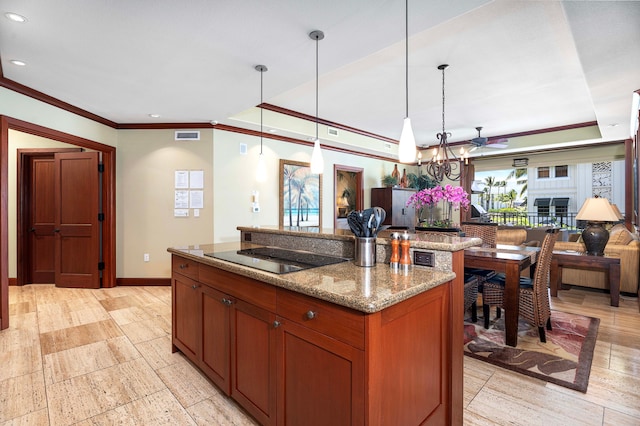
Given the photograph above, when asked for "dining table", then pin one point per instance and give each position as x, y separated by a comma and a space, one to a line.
512, 261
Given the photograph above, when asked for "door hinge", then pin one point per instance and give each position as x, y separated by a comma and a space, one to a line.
100, 217
100, 168
100, 266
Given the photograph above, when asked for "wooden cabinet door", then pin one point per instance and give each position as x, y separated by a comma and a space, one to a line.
320, 379
186, 316
253, 360
216, 337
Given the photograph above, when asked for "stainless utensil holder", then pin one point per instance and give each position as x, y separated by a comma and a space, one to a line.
365, 251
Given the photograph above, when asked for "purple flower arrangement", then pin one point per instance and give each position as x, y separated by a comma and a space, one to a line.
452, 197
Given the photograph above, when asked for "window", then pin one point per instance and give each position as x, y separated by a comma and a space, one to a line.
562, 171
553, 172
543, 206
543, 172
561, 206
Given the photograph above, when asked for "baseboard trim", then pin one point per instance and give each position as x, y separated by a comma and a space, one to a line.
13, 281
143, 281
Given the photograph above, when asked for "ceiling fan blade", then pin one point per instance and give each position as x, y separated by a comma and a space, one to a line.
496, 145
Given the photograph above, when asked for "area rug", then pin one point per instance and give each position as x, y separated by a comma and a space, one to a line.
565, 359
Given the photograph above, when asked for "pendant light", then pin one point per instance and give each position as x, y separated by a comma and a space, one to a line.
444, 163
261, 170
407, 145
317, 162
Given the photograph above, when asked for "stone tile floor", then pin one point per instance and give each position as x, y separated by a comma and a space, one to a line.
103, 357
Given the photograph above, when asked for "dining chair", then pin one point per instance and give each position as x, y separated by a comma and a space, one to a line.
471, 296
488, 233
534, 293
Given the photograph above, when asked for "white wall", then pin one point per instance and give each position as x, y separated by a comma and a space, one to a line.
146, 162
234, 181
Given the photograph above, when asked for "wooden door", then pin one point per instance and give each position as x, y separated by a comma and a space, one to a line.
40, 212
77, 228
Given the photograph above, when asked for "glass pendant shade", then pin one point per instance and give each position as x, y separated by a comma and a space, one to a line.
317, 162
261, 170
407, 145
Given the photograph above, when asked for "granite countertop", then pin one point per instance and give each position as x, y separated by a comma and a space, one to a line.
418, 240
361, 288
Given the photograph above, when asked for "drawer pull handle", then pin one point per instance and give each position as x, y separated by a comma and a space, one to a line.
194, 286
276, 324
311, 315
184, 265
227, 302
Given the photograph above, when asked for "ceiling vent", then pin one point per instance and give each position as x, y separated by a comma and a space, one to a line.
332, 132
187, 135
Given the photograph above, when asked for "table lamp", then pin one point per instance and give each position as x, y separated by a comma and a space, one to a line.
596, 211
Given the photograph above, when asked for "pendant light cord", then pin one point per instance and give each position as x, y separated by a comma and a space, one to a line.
406, 57
317, 87
443, 99
261, 109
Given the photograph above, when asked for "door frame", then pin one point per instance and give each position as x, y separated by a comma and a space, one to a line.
359, 171
108, 201
22, 215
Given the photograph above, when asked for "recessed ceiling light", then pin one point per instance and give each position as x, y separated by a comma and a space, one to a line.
18, 62
15, 17
273, 130
154, 115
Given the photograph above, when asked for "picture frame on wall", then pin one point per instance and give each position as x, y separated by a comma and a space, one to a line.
300, 195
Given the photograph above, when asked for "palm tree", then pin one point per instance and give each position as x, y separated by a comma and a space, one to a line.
511, 197
490, 181
521, 179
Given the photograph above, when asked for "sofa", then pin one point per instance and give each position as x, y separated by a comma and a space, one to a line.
521, 235
622, 244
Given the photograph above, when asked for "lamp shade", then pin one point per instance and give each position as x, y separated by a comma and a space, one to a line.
617, 210
407, 145
595, 236
597, 210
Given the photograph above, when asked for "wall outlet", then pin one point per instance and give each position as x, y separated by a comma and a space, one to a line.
146, 257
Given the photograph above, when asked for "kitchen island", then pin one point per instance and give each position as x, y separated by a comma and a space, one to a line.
336, 344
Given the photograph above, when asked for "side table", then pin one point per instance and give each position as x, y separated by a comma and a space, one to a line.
578, 260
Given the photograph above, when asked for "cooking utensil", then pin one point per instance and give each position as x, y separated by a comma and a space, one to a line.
353, 220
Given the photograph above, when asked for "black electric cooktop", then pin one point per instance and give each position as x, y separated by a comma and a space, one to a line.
276, 260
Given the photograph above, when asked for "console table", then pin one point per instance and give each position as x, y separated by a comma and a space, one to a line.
578, 260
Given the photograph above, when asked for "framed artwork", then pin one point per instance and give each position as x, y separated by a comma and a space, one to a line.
300, 195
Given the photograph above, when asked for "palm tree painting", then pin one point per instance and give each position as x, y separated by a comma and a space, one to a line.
300, 195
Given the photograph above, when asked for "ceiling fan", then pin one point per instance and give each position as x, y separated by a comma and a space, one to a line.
481, 141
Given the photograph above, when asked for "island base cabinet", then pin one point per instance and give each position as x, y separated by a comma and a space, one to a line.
291, 359
321, 380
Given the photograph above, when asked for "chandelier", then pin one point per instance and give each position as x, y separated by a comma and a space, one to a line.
444, 163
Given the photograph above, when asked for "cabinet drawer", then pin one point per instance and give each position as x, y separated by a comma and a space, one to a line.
247, 289
335, 321
183, 266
